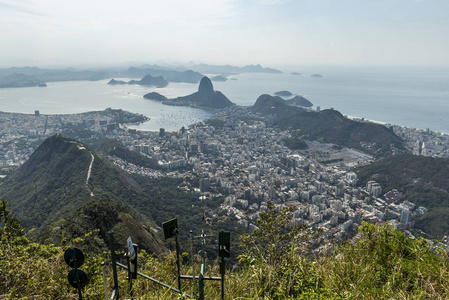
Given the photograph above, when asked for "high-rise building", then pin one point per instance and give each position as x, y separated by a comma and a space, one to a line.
204, 184
405, 216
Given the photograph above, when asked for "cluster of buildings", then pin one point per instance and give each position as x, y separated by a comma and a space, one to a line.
241, 157
19, 133
251, 164
424, 142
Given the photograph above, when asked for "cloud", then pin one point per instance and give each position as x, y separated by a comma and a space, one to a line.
273, 2
16, 6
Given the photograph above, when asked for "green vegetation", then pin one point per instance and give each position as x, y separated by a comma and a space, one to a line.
7, 170
114, 147
385, 264
295, 144
276, 257
49, 193
80, 132
217, 123
331, 161
330, 126
421, 180
10, 227
276, 263
99, 217
55, 170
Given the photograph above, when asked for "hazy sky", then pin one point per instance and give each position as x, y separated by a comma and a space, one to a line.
269, 32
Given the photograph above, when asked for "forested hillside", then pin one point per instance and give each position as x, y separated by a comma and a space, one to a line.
421, 180
330, 126
65, 187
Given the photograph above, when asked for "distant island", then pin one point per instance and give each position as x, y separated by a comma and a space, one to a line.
219, 78
147, 80
295, 101
170, 75
33, 76
116, 82
155, 96
228, 69
283, 94
205, 98
299, 101
295, 73
316, 75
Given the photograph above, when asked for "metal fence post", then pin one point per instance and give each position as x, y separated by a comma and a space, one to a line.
114, 266
193, 261
105, 284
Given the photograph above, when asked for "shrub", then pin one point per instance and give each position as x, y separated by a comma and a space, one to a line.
275, 255
385, 264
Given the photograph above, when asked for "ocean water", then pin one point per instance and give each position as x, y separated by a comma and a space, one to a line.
82, 96
413, 97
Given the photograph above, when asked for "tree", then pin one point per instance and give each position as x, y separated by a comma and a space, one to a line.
10, 227
276, 252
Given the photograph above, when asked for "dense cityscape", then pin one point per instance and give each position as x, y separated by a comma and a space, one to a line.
236, 154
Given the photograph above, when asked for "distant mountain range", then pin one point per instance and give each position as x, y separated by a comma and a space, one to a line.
187, 76
228, 69
34, 76
330, 126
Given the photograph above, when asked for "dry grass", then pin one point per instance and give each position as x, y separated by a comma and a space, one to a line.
383, 264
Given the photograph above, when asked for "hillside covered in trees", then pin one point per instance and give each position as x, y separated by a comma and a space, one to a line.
65, 187
421, 180
330, 126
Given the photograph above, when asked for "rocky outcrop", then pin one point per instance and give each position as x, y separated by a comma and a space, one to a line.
155, 96
206, 97
205, 85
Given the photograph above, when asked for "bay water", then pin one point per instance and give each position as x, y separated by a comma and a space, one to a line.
413, 97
